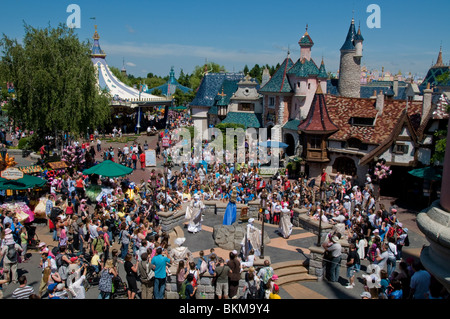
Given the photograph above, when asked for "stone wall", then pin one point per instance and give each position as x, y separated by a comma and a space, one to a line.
317, 262
301, 219
205, 289
349, 75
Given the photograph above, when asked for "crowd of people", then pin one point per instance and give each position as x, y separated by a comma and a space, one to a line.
84, 231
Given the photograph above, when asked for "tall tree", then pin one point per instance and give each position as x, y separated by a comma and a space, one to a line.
55, 82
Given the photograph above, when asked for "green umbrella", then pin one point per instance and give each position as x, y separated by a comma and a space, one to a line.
27, 181
109, 169
429, 173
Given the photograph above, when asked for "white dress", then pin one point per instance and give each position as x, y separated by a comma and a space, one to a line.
285, 227
194, 215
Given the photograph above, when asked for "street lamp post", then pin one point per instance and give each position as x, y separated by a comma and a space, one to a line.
262, 205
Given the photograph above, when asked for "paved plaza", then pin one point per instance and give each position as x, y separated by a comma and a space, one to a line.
296, 247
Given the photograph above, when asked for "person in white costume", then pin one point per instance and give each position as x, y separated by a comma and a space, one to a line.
285, 227
251, 240
194, 214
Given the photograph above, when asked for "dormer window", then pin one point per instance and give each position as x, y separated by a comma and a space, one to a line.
362, 121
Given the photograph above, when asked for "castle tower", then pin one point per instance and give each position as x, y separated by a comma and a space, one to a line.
350, 63
97, 52
306, 44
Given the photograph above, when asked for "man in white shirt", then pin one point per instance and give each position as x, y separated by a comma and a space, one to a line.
126, 150
76, 287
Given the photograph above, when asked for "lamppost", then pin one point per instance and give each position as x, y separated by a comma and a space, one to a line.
261, 209
166, 169
320, 227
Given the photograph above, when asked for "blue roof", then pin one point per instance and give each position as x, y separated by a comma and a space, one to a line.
279, 81
366, 91
170, 86
211, 85
349, 40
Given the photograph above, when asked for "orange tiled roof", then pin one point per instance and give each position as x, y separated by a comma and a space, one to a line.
342, 109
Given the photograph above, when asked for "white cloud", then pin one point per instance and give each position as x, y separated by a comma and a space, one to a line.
130, 64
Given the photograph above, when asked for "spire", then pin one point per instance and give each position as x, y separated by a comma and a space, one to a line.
97, 52
439, 61
322, 72
305, 40
349, 40
359, 36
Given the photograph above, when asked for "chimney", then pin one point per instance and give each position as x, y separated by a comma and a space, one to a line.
374, 95
379, 104
426, 103
265, 76
395, 86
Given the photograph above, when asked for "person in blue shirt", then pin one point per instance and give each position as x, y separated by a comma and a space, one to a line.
160, 261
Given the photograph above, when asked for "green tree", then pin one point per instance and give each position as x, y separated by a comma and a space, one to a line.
55, 82
183, 98
196, 77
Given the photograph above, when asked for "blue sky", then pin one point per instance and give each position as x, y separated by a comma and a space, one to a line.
152, 35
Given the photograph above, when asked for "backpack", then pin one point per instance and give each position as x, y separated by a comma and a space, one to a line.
12, 253
145, 272
98, 244
203, 267
407, 241
267, 275
391, 232
54, 213
182, 292
252, 290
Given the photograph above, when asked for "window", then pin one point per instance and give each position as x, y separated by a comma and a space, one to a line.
315, 141
246, 107
401, 149
271, 101
362, 121
309, 86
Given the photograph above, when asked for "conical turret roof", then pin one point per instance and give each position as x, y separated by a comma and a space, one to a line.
318, 121
349, 43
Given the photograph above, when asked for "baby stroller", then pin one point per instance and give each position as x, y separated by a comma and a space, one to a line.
33, 239
92, 277
119, 288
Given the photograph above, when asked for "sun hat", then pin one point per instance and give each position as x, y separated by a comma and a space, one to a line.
366, 294
42, 244
275, 277
335, 239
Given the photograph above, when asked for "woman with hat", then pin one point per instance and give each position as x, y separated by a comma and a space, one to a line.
10, 252
334, 249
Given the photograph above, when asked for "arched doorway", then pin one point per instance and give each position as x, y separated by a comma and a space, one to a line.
269, 131
344, 165
289, 140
